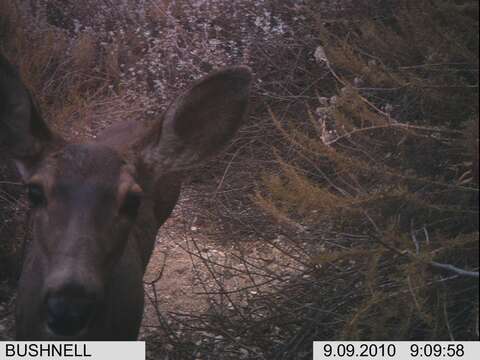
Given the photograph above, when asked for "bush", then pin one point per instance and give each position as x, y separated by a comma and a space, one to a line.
385, 174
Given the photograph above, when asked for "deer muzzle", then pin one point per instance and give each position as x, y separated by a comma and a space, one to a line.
69, 316
71, 304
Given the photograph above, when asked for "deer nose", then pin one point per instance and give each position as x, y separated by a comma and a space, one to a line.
68, 316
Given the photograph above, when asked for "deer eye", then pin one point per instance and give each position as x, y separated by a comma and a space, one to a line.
131, 204
36, 195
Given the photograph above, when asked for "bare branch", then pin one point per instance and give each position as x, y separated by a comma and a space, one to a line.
454, 269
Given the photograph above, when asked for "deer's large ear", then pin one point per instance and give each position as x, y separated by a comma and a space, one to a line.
201, 121
23, 133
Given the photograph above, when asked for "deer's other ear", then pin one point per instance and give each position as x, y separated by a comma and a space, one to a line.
23, 133
201, 121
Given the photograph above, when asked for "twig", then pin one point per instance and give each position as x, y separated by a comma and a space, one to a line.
381, 112
220, 183
427, 237
414, 296
454, 269
160, 274
446, 267
11, 183
414, 238
447, 320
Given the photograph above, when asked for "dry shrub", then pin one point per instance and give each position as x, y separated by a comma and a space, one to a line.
385, 175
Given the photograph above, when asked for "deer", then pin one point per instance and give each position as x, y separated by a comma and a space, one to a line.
96, 206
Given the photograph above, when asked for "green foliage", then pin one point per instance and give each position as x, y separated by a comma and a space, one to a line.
392, 158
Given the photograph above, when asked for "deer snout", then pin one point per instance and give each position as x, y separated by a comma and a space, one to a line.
70, 308
67, 315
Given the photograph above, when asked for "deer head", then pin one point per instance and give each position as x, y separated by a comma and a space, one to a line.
96, 207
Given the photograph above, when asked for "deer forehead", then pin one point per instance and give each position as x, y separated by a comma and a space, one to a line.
89, 169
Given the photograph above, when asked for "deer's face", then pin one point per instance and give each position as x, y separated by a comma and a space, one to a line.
86, 199
84, 202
